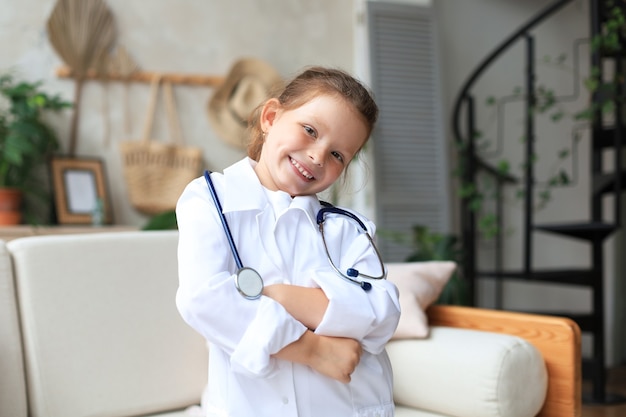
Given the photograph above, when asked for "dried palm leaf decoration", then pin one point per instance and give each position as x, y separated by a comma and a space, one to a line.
121, 63
81, 32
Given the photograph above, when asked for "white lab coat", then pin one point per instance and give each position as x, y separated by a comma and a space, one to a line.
278, 236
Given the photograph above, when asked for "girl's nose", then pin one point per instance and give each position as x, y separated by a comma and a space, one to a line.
316, 154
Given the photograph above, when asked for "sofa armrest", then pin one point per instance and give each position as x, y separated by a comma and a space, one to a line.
557, 338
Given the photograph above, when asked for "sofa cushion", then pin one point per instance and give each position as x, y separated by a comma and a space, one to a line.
419, 285
102, 335
469, 373
12, 381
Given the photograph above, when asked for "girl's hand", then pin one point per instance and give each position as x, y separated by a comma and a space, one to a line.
335, 357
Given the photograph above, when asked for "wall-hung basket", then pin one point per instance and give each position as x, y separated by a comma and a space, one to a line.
157, 172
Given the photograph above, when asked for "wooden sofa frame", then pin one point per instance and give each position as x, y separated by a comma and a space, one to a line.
557, 338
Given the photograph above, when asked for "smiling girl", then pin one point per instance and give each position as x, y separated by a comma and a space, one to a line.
312, 344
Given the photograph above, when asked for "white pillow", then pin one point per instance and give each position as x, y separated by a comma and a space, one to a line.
419, 285
471, 373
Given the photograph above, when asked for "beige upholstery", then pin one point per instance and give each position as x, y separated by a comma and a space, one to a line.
12, 382
101, 332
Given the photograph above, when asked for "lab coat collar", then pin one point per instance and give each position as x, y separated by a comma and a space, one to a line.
239, 176
238, 193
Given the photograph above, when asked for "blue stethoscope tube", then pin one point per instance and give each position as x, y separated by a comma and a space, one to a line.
229, 235
249, 282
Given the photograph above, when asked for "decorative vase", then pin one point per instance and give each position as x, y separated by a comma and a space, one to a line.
10, 206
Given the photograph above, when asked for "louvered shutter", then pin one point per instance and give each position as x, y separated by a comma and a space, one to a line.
409, 149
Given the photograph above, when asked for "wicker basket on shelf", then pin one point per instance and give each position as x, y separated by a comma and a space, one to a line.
157, 172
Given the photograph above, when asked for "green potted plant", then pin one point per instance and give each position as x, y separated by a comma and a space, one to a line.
162, 221
26, 143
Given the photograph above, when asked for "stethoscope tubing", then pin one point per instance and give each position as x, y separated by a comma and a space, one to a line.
229, 235
350, 275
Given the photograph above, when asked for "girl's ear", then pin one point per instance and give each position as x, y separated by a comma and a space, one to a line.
268, 113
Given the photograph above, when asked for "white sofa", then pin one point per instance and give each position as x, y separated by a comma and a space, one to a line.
88, 327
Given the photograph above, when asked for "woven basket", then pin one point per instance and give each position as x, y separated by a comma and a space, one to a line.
156, 173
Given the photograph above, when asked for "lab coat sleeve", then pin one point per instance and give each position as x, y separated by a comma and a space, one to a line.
368, 316
207, 299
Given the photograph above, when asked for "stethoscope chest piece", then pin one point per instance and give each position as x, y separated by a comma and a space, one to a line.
249, 283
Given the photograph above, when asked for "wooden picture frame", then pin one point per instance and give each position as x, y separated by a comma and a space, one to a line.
78, 184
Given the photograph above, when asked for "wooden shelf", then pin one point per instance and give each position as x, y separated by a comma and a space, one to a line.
146, 77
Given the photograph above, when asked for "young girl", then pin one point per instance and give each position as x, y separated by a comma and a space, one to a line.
313, 344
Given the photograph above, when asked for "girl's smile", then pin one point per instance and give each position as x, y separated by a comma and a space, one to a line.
300, 169
307, 148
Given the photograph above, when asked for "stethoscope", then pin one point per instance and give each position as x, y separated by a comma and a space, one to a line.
249, 282
351, 274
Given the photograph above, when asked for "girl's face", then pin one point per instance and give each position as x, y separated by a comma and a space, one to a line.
307, 148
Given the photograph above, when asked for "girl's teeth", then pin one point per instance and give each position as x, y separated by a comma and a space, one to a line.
302, 170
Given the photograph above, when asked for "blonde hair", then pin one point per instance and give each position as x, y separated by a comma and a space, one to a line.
311, 83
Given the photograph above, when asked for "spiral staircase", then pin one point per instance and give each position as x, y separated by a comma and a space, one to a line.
606, 180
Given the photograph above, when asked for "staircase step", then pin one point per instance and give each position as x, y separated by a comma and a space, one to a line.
584, 277
587, 231
605, 183
606, 138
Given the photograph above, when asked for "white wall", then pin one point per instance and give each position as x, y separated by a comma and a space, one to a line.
182, 36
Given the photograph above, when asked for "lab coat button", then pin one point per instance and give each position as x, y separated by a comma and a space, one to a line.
285, 400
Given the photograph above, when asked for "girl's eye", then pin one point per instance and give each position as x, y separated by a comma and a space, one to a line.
338, 156
310, 131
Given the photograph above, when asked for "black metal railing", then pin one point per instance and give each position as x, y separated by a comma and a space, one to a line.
593, 230
473, 164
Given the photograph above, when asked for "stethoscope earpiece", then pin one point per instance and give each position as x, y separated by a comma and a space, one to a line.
352, 272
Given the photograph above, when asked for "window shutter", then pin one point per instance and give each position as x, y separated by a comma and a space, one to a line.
409, 148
